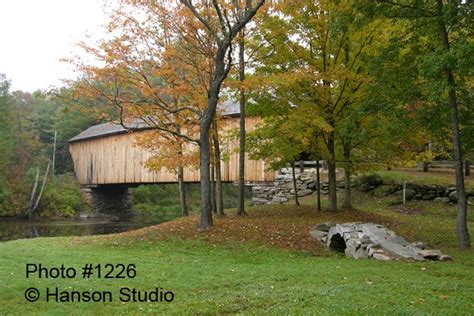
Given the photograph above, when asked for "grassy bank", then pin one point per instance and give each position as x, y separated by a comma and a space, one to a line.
263, 263
443, 178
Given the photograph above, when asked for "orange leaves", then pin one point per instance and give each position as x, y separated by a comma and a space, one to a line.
168, 151
153, 68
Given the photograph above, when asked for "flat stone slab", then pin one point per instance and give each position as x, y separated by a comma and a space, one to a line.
325, 226
368, 240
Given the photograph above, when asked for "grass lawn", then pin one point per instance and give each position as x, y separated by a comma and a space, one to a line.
263, 263
444, 178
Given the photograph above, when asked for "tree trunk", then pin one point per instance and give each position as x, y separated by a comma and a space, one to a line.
219, 73
182, 192
347, 188
426, 166
318, 186
332, 173
217, 162
461, 219
241, 197
213, 189
43, 185
301, 166
347, 180
205, 176
54, 153
33, 194
293, 173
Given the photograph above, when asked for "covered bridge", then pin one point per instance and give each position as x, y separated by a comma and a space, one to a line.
107, 154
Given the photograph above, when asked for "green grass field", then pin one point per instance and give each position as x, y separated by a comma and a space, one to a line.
239, 279
238, 268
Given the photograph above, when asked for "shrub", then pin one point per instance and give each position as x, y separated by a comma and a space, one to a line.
62, 197
370, 182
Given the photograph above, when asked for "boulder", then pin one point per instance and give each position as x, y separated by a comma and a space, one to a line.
445, 258
304, 192
280, 177
418, 196
371, 250
259, 201
361, 253
279, 199
413, 186
417, 245
325, 226
318, 234
470, 200
430, 254
410, 194
351, 247
381, 256
453, 196
429, 196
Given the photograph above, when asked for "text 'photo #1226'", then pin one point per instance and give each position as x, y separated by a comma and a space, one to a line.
236, 157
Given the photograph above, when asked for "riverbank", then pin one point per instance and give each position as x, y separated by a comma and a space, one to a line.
84, 224
263, 263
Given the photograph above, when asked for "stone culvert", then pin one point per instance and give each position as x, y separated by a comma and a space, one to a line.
369, 240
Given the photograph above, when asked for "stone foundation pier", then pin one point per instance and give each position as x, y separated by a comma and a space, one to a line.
108, 198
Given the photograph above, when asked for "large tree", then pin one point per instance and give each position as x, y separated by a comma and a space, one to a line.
444, 47
222, 21
165, 64
318, 49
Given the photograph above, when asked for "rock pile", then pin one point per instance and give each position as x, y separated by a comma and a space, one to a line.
281, 190
368, 240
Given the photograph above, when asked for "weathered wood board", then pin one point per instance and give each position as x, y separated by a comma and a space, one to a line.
114, 159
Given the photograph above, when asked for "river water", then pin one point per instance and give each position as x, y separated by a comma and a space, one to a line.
11, 229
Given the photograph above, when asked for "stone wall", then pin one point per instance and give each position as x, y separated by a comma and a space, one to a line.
281, 190
435, 193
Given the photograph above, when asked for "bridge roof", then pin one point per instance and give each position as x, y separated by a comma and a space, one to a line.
227, 108
105, 129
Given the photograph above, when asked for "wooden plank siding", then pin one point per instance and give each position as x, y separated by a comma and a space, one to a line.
116, 159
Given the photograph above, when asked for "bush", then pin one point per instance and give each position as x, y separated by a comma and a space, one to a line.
5, 200
62, 197
165, 197
370, 182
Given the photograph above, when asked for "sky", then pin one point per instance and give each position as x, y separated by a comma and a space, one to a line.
36, 34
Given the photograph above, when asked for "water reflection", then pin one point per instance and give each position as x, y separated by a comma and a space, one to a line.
21, 228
